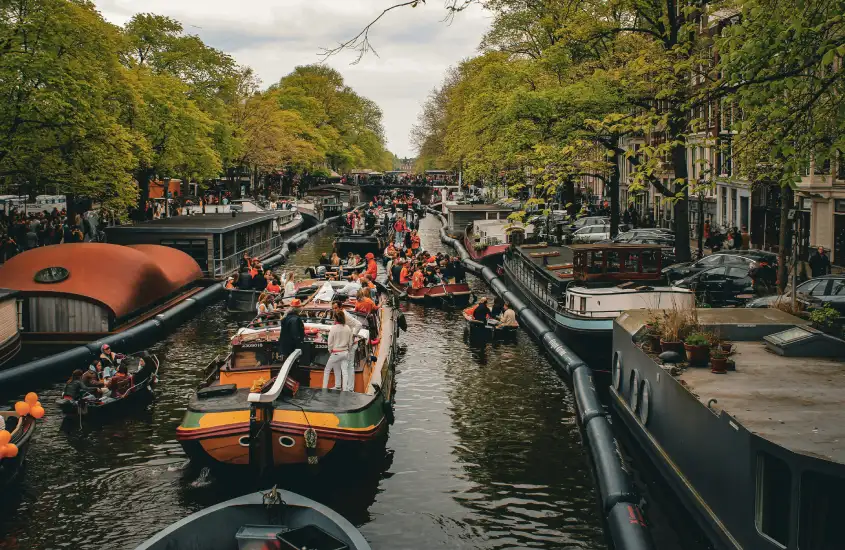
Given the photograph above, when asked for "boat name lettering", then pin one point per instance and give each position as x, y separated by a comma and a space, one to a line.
249, 345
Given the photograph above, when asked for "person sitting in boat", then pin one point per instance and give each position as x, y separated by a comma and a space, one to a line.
498, 307
291, 330
145, 372
335, 260
120, 382
508, 317
352, 287
372, 267
396, 270
290, 285
415, 242
418, 279
265, 304
405, 274
108, 359
94, 376
458, 270
76, 389
481, 312
324, 259
232, 282
364, 304
273, 286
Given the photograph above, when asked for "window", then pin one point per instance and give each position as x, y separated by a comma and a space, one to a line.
632, 262
710, 261
713, 274
583, 305
737, 273
820, 289
650, 261
838, 288
773, 498
736, 260
613, 262
821, 509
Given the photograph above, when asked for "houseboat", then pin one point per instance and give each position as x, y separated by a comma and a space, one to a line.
308, 422
487, 240
580, 289
756, 454
216, 242
459, 216
10, 321
76, 293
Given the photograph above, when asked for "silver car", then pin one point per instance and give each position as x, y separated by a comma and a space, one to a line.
591, 234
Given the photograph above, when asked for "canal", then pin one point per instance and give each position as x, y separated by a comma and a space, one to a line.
485, 451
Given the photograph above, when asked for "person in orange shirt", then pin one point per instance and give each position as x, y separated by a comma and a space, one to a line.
365, 282
365, 304
418, 280
415, 241
372, 267
273, 286
404, 275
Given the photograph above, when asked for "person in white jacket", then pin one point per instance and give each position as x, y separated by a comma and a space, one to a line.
340, 338
355, 326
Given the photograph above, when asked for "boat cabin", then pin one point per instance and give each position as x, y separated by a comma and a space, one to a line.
216, 242
462, 215
615, 262
79, 292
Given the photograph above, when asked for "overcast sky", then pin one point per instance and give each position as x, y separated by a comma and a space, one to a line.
415, 45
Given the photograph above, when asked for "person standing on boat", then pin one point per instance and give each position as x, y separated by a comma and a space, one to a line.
355, 327
372, 267
339, 341
291, 330
415, 242
405, 274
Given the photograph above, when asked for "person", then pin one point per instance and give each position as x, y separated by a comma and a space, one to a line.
244, 280
108, 358
706, 230
264, 305
820, 263
404, 274
418, 280
259, 281
481, 312
372, 267
396, 270
232, 282
498, 307
355, 326
458, 271
120, 382
352, 287
291, 330
339, 341
324, 259
93, 376
508, 317
76, 388
335, 261
273, 286
737, 238
290, 286
365, 305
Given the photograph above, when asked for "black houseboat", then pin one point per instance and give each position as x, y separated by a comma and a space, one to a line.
757, 455
216, 241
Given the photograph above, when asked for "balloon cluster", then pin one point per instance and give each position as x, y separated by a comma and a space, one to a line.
29, 406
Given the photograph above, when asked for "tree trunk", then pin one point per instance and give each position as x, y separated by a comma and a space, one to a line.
681, 206
70, 207
569, 196
613, 183
699, 229
785, 236
143, 176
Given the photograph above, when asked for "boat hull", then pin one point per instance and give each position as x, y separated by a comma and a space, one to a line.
458, 294
489, 255
9, 349
358, 244
11, 468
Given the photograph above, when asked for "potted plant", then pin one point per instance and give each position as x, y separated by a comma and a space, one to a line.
697, 346
674, 326
718, 361
726, 348
824, 318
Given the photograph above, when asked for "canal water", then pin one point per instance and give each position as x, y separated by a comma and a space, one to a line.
485, 451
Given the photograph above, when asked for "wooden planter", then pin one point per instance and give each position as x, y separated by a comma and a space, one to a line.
697, 355
672, 346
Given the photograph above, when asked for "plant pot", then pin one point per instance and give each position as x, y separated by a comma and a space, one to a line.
677, 347
719, 365
697, 355
726, 347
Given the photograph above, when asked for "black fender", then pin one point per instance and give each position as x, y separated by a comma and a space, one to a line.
516, 303
614, 481
586, 397
402, 322
499, 286
628, 529
57, 365
487, 274
533, 323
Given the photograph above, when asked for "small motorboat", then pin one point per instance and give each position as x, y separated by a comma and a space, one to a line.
359, 243
275, 519
490, 329
22, 428
334, 273
142, 390
456, 294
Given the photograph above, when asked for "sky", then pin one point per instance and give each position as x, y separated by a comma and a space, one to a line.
415, 46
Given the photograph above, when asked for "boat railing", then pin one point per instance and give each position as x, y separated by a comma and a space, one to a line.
276, 389
232, 262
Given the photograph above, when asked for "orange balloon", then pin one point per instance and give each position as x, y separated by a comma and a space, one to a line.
5, 437
31, 398
38, 404
37, 411
22, 408
2, 451
11, 450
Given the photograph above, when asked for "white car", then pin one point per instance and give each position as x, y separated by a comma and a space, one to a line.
591, 234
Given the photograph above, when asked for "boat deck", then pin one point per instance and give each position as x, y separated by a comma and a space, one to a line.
312, 400
794, 402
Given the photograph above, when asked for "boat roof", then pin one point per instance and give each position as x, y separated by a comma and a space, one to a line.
7, 293
479, 207
124, 279
614, 246
795, 402
209, 223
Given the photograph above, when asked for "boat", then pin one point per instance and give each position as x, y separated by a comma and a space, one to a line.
488, 240
490, 329
580, 289
22, 433
10, 335
275, 519
334, 272
308, 423
358, 243
754, 453
456, 294
68, 294
245, 301
141, 391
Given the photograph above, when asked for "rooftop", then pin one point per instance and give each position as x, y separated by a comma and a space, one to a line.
479, 207
209, 223
795, 402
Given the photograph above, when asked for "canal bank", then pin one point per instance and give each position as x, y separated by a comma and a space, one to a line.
618, 496
484, 453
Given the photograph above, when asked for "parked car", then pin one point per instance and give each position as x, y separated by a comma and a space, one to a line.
590, 220
739, 258
719, 286
828, 289
591, 234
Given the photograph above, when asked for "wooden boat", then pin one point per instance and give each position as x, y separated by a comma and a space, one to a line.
308, 422
245, 301
276, 519
359, 243
458, 294
334, 272
141, 391
490, 329
24, 429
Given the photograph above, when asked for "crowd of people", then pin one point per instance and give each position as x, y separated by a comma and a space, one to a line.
23, 231
106, 378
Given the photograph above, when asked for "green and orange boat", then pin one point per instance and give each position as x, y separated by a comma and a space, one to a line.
307, 422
